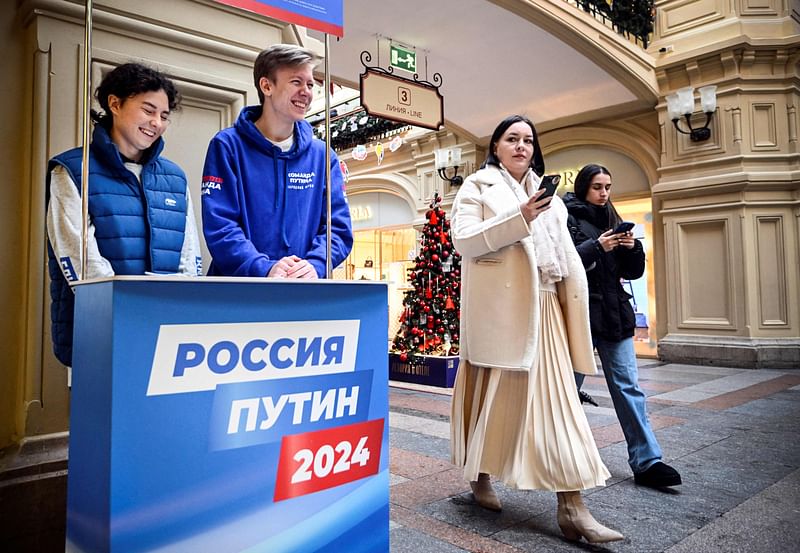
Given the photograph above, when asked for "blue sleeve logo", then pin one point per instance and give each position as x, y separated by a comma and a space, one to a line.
68, 269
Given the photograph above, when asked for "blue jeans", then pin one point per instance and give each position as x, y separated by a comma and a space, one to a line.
622, 376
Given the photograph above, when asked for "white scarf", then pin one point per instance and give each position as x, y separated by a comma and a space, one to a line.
550, 256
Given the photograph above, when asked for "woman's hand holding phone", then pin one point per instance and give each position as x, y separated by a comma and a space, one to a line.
626, 240
540, 201
611, 239
535, 206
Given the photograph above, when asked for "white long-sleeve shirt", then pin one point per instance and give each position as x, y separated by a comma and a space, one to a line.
64, 231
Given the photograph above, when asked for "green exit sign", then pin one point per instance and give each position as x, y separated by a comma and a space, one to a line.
403, 58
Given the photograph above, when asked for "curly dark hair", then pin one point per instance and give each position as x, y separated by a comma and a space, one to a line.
130, 79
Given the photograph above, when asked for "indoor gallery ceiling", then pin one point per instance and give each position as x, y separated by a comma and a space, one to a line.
492, 62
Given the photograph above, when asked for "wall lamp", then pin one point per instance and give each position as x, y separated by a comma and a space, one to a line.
682, 103
448, 158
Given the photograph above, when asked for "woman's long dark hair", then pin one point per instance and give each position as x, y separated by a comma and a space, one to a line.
537, 161
584, 181
130, 79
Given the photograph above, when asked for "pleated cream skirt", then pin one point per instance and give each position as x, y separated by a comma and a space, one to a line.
527, 429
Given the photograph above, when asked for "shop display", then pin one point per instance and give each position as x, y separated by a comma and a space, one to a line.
431, 307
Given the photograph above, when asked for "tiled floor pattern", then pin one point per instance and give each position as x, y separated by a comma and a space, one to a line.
712, 423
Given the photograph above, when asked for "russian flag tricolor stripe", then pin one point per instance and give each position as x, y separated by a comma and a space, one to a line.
322, 15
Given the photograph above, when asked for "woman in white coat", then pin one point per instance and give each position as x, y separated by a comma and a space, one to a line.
524, 329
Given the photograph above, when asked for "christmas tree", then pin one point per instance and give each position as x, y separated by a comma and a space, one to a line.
429, 322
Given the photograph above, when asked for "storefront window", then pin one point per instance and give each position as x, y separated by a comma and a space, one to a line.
384, 254
376, 252
642, 289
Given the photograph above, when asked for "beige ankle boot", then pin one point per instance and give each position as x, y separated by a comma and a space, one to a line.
484, 493
576, 521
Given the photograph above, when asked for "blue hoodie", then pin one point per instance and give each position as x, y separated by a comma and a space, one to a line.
261, 204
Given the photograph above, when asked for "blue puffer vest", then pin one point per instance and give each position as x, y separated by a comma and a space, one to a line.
139, 227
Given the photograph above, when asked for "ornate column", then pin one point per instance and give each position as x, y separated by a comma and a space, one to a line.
727, 209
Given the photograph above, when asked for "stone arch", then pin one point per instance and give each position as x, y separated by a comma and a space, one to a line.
629, 63
387, 183
627, 139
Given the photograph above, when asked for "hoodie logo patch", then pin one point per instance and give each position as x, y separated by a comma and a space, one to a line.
68, 269
170, 202
301, 181
210, 183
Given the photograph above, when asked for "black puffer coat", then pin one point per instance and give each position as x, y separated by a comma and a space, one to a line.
610, 311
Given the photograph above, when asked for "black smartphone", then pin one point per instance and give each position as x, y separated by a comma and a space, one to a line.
549, 184
624, 226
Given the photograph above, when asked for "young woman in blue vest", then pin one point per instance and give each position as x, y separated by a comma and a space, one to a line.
609, 257
141, 217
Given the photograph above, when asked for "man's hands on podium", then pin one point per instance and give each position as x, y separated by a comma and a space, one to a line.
293, 267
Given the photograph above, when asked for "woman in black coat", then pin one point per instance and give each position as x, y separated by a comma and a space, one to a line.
609, 256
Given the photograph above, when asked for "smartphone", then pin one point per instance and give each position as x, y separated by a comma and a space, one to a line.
625, 226
549, 184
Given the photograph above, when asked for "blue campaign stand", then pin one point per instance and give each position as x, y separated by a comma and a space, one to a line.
229, 415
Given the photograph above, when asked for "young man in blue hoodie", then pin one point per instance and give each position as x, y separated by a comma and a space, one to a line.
263, 191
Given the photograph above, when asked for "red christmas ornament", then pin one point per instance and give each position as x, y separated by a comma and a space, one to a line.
404, 357
434, 218
448, 304
435, 257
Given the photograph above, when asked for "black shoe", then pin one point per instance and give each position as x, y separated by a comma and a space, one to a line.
659, 475
586, 398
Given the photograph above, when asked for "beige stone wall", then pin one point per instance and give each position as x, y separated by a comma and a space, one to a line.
728, 207
13, 224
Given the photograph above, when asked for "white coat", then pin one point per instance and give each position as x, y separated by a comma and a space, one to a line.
500, 278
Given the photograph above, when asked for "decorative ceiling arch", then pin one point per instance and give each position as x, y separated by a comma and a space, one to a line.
629, 63
387, 183
629, 140
546, 59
